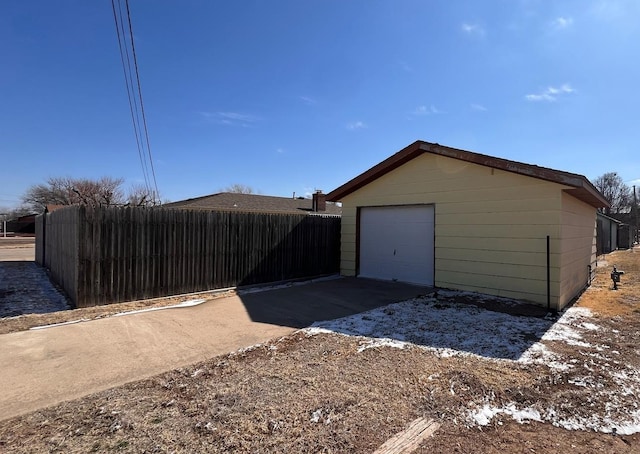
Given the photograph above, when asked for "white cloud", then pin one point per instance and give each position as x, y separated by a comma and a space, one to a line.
560, 23
478, 107
307, 100
473, 29
426, 110
356, 125
230, 118
279, 150
550, 94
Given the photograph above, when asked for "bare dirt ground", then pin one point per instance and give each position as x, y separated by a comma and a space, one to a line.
557, 385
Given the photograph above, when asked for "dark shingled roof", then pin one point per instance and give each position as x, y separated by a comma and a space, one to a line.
581, 187
229, 201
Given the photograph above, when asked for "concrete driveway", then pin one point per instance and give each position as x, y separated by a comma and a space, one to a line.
47, 366
17, 249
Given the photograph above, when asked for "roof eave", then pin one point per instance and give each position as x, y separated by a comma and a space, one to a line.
392, 162
581, 187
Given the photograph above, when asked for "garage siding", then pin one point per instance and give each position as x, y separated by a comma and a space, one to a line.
578, 246
490, 225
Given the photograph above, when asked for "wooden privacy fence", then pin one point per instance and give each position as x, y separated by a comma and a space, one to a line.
107, 255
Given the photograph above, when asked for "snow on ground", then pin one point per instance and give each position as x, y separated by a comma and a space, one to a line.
448, 328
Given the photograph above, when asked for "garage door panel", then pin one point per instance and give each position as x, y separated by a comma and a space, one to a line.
397, 243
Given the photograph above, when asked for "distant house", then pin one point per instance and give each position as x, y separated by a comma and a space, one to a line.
23, 225
612, 234
254, 203
441, 216
607, 234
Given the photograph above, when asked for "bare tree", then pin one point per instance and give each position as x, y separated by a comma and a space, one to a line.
239, 189
55, 192
615, 191
15, 212
140, 196
105, 191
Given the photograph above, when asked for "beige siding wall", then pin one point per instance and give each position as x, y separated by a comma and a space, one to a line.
578, 247
491, 225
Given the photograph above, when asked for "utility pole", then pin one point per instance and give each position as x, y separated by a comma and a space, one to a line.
4, 222
635, 206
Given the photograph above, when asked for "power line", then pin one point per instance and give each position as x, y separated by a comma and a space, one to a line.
144, 117
128, 82
136, 105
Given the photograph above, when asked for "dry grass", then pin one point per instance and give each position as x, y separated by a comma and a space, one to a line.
318, 394
601, 297
302, 394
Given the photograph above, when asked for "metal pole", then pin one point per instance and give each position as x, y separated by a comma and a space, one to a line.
635, 206
548, 275
4, 224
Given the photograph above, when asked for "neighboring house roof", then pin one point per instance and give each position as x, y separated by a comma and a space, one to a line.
581, 188
26, 218
609, 218
229, 201
51, 208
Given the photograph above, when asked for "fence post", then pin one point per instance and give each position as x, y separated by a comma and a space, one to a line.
44, 239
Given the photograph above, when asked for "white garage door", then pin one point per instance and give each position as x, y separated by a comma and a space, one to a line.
397, 243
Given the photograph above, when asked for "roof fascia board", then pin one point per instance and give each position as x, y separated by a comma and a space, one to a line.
582, 188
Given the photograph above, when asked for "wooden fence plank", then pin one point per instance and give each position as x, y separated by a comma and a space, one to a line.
107, 255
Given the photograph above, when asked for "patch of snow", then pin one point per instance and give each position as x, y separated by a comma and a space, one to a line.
189, 303
313, 330
589, 326
448, 328
248, 349
316, 415
525, 414
427, 323
483, 416
375, 343
579, 382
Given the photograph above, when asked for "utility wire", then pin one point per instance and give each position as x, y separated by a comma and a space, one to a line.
144, 117
128, 82
137, 112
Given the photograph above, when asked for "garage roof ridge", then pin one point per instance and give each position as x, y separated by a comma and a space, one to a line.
582, 188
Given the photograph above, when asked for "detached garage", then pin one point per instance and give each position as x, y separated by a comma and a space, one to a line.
435, 215
396, 243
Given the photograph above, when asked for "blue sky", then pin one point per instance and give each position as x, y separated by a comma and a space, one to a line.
288, 96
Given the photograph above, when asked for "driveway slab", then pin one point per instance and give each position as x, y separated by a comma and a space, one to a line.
25, 288
17, 249
47, 366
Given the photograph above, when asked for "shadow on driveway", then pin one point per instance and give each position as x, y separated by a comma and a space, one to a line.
451, 322
25, 288
299, 306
